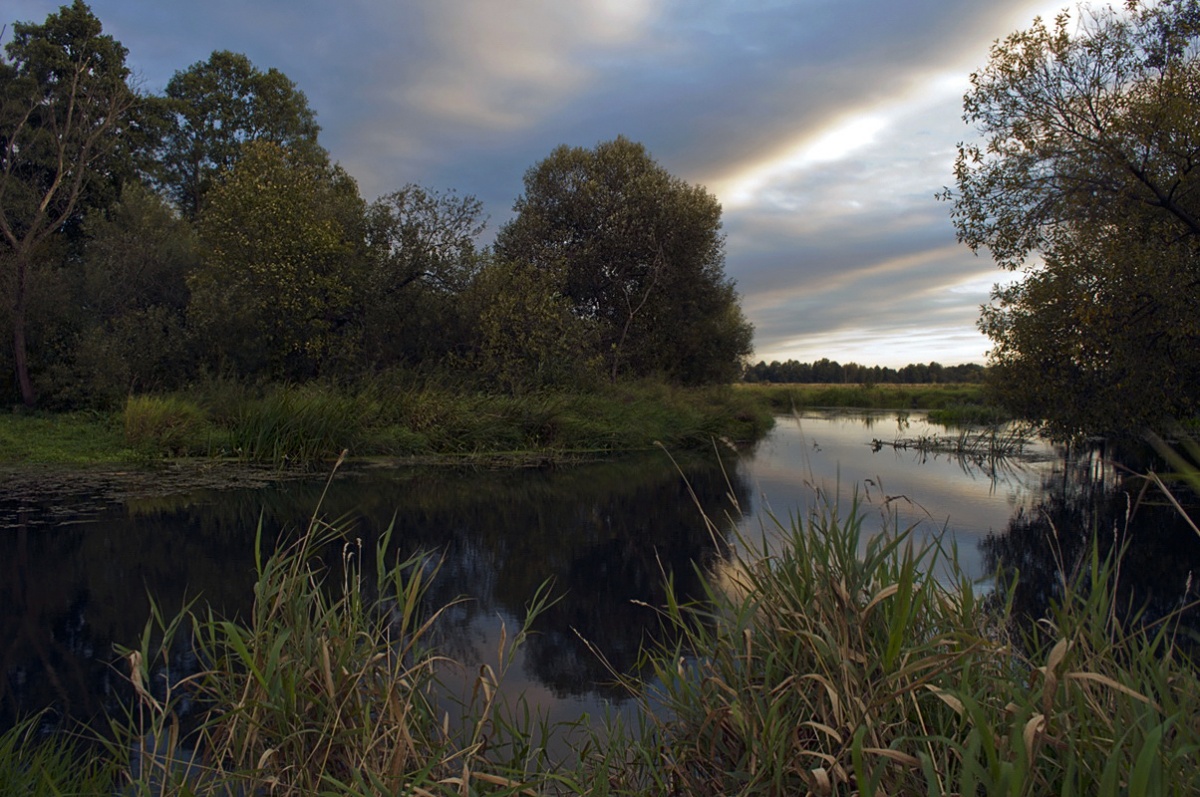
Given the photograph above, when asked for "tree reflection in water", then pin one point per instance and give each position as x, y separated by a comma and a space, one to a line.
1090, 496
603, 535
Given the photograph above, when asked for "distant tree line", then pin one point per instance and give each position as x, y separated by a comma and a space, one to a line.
147, 242
826, 371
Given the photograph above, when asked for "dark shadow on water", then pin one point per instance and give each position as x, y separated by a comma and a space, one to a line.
604, 536
1101, 494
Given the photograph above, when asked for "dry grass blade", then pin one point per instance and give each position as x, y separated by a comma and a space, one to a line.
1114, 685
947, 698
881, 596
894, 755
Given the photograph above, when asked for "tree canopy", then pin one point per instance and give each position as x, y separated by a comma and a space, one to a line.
277, 283
639, 254
1085, 182
148, 242
215, 107
64, 104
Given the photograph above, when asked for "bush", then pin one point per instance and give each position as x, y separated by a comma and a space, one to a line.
164, 425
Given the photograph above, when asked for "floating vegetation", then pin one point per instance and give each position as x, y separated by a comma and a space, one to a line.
1009, 440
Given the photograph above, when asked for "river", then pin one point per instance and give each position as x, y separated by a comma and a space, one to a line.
78, 573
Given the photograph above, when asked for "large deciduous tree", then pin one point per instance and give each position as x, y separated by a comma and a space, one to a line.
281, 251
422, 256
217, 106
641, 258
1087, 182
64, 103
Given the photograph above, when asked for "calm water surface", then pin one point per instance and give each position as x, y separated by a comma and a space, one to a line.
76, 577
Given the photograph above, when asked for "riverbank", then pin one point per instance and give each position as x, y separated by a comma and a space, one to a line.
953, 403
827, 665
309, 427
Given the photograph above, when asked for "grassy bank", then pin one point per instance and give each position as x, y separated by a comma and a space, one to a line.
825, 664
946, 403
310, 426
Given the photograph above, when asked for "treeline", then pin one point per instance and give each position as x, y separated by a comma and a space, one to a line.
150, 241
826, 371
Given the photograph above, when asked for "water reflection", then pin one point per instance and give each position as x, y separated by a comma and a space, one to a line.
76, 575
818, 455
1090, 496
603, 536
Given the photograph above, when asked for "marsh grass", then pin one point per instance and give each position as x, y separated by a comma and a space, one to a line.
33, 765
945, 398
823, 661
165, 424
299, 426
324, 688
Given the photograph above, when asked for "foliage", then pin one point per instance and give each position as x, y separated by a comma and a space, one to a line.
217, 106
421, 247
1084, 181
130, 278
64, 103
832, 372
167, 424
526, 334
278, 279
639, 254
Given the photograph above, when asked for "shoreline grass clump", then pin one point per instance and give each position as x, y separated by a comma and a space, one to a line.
167, 424
824, 662
327, 687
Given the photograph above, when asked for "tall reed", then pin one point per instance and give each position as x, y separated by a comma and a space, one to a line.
823, 661
324, 688
304, 426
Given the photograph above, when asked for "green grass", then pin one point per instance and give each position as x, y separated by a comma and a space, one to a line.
941, 397
822, 660
309, 426
78, 438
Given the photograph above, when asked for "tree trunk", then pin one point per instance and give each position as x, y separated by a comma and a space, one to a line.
18, 321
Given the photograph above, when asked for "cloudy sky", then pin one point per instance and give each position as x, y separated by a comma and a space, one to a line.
824, 127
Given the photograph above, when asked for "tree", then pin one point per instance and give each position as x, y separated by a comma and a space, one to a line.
217, 106
281, 243
641, 256
526, 333
422, 254
129, 300
1086, 182
64, 102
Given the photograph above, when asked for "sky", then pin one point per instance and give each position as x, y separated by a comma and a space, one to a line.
824, 127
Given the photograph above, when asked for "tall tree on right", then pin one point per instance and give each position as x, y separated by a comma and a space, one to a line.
1087, 181
640, 256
